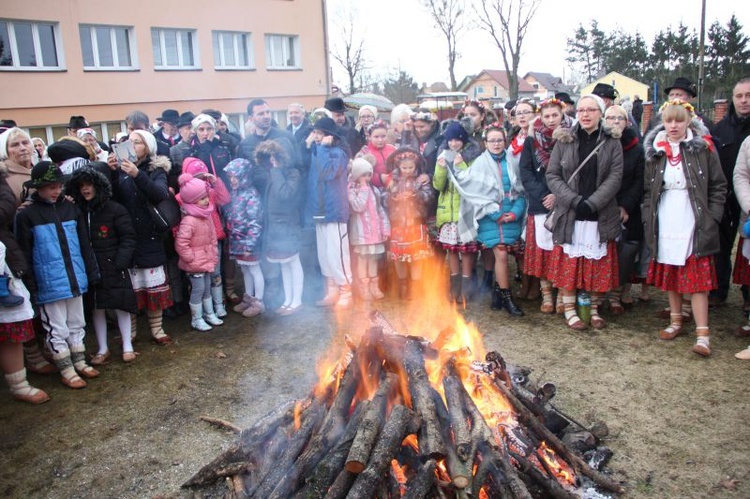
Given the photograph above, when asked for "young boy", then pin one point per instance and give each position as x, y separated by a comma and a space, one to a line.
52, 234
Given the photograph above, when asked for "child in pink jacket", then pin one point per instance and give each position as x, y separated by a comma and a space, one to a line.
197, 246
219, 196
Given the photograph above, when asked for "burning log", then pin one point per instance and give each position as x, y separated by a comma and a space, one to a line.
431, 443
369, 429
459, 424
400, 423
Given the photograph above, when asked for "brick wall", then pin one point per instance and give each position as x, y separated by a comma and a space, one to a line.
721, 108
648, 113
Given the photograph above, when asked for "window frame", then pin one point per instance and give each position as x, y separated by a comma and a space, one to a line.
193, 33
57, 35
113, 38
219, 58
270, 55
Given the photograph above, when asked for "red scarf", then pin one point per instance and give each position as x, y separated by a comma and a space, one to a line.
516, 144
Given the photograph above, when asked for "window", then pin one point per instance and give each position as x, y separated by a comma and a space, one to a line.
107, 47
232, 50
282, 52
174, 48
29, 45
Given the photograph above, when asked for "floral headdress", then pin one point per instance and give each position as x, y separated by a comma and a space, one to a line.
678, 102
377, 124
405, 154
422, 116
495, 125
473, 103
528, 101
552, 102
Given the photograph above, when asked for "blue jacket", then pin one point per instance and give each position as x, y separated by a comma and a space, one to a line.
327, 195
54, 238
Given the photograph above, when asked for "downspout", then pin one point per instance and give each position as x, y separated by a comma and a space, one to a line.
326, 48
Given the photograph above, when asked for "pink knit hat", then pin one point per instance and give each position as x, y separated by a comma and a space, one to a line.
194, 166
191, 188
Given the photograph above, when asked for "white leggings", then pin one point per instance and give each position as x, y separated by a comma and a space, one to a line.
293, 279
100, 327
252, 274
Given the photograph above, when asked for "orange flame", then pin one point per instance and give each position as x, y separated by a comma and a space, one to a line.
411, 441
559, 467
297, 415
399, 472
483, 494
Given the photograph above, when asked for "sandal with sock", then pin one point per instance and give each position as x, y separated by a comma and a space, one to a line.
674, 329
702, 346
571, 316
548, 303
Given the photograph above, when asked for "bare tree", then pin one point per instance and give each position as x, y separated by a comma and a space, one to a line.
506, 21
349, 49
449, 19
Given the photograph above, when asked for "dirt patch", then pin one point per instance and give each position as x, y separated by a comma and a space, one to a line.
678, 423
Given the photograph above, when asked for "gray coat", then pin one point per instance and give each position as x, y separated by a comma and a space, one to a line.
563, 163
707, 187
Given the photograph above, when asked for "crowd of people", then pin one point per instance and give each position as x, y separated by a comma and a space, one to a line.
166, 220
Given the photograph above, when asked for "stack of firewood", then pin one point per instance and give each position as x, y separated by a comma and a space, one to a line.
345, 442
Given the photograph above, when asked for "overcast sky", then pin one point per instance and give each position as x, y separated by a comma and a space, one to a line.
401, 33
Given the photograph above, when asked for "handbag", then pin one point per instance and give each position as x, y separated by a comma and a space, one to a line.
553, 215
165, 214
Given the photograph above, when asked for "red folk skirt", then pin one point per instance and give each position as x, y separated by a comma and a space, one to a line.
698, 275
410, 243
17, 332
741, 273
537, 262
598, 276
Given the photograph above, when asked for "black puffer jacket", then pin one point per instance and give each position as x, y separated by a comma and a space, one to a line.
630, 195
149, 186
112, 237
214, 155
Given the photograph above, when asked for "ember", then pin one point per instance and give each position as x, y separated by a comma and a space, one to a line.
403, 416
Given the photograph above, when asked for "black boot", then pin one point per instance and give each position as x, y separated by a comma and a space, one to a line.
497, 302
455, 287
508, 305
487, 280
467, 289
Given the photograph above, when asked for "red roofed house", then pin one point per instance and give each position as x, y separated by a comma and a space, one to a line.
493, 84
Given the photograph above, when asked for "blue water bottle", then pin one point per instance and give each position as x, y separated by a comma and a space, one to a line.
584, 307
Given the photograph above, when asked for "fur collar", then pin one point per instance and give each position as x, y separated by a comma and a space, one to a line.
568, 135
701, 139
162, 162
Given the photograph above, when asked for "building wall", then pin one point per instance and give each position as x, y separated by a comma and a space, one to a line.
625, 86
37, 98
485, 87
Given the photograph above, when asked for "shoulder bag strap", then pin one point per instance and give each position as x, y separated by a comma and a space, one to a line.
585, 161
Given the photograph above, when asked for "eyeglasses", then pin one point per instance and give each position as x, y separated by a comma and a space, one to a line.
137, 142
615, 118
495, 141
588, 110
524, 113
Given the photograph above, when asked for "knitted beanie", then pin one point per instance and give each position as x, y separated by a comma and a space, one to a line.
203, 118
456, 131
66, 149
191, 188
148, 139
360, 168
194, 166
366, 107
599, 102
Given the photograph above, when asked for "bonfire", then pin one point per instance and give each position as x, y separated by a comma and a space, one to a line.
416, 410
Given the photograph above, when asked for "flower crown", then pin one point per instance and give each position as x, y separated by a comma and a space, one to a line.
678, 102
406, 155
422, 116
473, 103
495, 125
377, 124
526, 100
552, 102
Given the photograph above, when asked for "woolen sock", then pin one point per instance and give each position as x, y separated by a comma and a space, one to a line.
19, 385
34, 355
125, 325
286, 280
154, 323
100, 328
298, 281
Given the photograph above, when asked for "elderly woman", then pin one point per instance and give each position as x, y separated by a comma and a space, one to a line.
400, 121
535, 157
208, 148
41, 149
365, 117
629, 199
584, 174
88, 136
135, 186
683, 203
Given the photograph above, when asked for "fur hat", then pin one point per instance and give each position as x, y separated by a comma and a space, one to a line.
191, 189
455, 131
194, 166
66, 149
597, 99
605, 91
327, 126
169, 116
186, 119
45, 173
203, 118
335, 105
682, 83
77, 122
148, 139
360, 168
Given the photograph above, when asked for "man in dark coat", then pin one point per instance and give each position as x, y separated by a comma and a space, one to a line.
727, 135
338, 109
300, 127
168, 133
637, 110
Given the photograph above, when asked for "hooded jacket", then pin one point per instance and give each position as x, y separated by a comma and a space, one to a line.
707, 188
327, 199
243, 213
564, 161
112, 237
135, 194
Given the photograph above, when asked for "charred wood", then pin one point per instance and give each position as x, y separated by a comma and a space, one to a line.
431, 443
419, 487
369, 428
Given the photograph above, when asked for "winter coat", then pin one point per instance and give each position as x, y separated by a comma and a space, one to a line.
408, 201
112, 237
534, 177
197, 245
369, 222
630, 195
54, 238
380, 168
213, 154
707, 188
14, 257
327, 199
149, 186
742, 179
177, 155
449, 199
511, 199
282, 218
247, 147
563, 163
17, 175
218, 194
728, 135
243, 213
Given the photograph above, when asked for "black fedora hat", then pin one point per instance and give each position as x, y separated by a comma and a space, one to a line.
335, 105
186, 119
77, 122
605, 91
682, 83
564, 97
327, 126
169, 116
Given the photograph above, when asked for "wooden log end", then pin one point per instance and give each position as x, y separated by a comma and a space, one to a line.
355, 467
